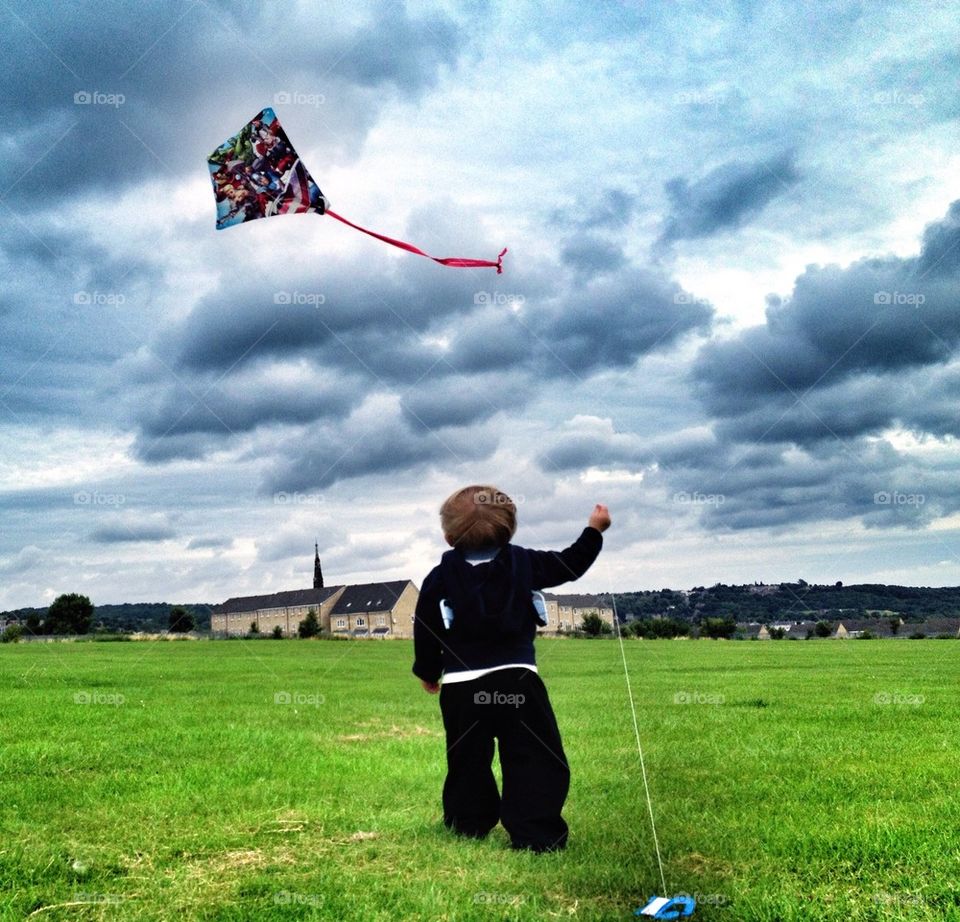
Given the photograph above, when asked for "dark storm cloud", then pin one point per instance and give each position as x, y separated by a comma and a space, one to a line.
252, 319
211, 543
391, 356
729, 487
49, 385
591, 443
134, 531
874, 317
460, 400
847, 409
860, 479
221, 333
940, 255
608, 209
113, 93
35, 500
726, 197
175, 446
612, 210
923, 401
591, 255
60, 338
377, 439
63, 249
241, 403
396, 48
552, 333
928, 401
579, 452
489, 339
186, 416
613, 321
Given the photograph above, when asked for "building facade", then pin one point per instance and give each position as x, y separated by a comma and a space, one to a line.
566, 612
375, 610
280, 609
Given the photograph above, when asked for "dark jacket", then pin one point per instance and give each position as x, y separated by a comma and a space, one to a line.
494, 621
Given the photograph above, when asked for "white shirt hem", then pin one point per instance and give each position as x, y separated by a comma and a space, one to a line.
468, 675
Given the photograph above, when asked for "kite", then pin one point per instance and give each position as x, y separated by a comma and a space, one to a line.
257, 173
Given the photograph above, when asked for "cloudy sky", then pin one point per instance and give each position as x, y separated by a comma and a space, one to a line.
730, 307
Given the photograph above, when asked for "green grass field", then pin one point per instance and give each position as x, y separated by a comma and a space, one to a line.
790, 781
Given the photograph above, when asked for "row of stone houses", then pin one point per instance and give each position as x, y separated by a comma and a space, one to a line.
566, 612
855, 627
375, 610
364, 610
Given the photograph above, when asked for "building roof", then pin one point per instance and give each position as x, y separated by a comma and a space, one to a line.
794, 628
749, 628
369, 597
789, 628
581, 600
879, 627
932, 626
291, 598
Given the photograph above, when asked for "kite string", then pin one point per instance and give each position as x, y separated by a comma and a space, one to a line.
636, 731
454, 261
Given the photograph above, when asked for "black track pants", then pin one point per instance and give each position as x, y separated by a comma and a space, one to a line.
511, 706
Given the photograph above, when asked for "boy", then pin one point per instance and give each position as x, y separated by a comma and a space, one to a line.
473, 631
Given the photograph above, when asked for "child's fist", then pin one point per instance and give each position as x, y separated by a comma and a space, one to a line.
432, 687
599, 518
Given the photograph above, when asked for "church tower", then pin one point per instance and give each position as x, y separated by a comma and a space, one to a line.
317, 572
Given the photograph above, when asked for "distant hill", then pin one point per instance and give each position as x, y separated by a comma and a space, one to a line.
791, 602
130, 616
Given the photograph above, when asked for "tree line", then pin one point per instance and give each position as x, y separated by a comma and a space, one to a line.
73, 613
799, 601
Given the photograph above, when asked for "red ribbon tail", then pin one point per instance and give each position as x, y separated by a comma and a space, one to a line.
455, 262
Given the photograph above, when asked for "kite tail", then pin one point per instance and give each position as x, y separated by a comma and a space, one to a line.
455, 262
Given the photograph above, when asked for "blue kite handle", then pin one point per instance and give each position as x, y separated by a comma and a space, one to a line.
678, 907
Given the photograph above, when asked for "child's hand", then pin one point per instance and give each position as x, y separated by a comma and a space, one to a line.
599, 518
431, 687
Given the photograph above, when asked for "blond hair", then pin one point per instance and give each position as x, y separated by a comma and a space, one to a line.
478, 516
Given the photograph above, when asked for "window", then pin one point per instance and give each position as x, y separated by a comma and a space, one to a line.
341, 622
381, 620
361, 622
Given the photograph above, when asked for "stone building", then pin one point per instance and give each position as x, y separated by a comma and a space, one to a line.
566, 612
283, 609
374, 610
377, 610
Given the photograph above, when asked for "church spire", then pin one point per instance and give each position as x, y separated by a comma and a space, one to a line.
317, 572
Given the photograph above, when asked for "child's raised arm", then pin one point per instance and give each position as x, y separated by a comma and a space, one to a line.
551, 568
